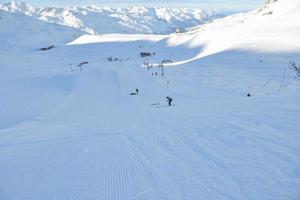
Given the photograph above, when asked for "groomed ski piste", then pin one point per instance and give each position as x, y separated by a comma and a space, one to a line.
69, 128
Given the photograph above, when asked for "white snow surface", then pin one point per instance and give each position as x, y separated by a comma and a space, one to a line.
131, 19
70, 130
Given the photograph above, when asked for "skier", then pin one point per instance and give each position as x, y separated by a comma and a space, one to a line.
137, 91
169, 100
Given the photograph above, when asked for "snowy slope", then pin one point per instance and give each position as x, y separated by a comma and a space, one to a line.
70, 130
19, 31
274, 27
21, 37
101, 20
267, 29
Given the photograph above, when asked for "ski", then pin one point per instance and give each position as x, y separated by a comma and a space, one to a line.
165, 106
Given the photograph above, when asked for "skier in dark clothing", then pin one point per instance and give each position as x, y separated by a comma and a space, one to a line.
135, 93
169, 100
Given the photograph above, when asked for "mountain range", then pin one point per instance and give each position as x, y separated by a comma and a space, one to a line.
131, 19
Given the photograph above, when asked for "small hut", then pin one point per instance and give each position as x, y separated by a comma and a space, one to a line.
178, 30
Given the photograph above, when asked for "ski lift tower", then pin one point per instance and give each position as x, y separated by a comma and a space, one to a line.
161, 65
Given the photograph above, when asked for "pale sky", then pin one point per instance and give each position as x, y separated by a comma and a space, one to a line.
206, 4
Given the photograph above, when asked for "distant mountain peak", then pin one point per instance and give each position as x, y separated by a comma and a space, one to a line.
19, 7
130, 19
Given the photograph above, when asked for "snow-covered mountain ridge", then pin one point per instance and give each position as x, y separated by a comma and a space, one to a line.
134, 19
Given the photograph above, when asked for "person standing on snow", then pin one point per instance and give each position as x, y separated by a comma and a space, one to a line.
169, 100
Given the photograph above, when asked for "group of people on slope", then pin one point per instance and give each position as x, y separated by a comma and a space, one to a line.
169, 99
